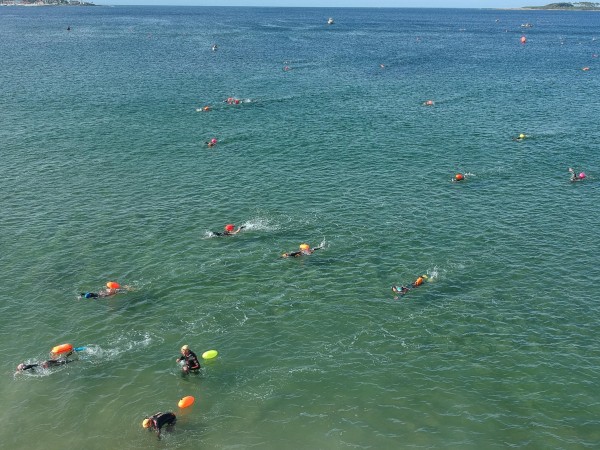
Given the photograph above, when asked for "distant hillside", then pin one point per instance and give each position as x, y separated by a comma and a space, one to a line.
579, 6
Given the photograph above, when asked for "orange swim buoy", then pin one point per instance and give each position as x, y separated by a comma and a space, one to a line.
523, 39
419, 281
186, 401
62, 348
459, 177
113, 285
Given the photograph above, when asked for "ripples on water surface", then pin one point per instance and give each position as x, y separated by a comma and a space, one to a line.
105, 176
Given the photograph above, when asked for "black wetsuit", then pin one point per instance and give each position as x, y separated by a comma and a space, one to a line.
46, 364
160, 419
191, 361
302, 252
228, 233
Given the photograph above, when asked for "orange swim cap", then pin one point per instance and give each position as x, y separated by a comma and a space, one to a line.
229, 227
304, 247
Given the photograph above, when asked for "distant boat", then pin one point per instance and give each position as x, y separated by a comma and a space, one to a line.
330, 21
526, 25
214, 47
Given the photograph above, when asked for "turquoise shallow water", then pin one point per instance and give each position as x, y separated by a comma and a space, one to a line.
105, 176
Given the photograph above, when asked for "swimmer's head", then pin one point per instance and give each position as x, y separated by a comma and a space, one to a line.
229, 227
304, 247
185, 348
521, 136
146, 423
20, 367
88, 295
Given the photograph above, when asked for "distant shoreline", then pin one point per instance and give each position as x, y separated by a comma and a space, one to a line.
542, 8
56, 3
564, 6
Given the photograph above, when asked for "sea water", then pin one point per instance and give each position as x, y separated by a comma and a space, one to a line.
105, 175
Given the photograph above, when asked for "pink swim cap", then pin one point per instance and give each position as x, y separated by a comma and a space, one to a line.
582, 175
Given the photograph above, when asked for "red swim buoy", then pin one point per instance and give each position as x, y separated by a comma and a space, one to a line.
459, 177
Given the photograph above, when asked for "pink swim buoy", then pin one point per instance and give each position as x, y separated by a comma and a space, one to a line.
581, 176
213, 141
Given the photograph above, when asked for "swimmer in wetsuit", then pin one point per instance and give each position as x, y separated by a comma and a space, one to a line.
229, 230
191, 363
45, 364
575, 176
402, 290
159, 420
109, 291
101, 293
304, 250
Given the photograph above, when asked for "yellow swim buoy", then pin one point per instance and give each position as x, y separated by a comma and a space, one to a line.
210, 354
